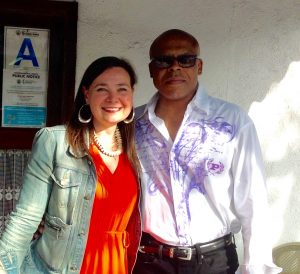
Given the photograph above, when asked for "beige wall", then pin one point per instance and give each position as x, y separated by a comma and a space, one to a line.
251, 54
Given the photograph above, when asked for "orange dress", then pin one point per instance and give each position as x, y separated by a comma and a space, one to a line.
115, 198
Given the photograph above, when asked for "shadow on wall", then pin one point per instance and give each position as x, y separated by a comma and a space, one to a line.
277, 119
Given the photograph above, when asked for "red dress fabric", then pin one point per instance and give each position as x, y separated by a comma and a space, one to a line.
115, 199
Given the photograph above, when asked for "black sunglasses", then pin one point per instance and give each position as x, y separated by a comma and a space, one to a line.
166, 61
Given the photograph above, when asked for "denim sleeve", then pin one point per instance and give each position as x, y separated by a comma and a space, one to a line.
34, 196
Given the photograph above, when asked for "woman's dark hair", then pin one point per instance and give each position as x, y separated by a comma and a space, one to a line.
76, 130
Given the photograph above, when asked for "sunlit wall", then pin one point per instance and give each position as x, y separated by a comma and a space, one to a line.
251, 55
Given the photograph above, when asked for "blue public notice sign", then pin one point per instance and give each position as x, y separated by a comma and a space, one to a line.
25, 77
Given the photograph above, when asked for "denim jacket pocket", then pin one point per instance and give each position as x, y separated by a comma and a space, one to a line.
64, 194
54, 245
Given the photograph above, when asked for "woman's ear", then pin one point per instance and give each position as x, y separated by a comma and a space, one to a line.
86, 94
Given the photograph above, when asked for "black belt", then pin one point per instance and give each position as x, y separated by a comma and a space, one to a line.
189, 252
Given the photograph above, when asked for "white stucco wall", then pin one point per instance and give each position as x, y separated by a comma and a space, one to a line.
251, 55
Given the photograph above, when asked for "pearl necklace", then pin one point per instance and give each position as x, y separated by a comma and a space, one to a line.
118, 141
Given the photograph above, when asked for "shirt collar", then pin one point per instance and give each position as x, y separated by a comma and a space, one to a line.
150, 106
200, 101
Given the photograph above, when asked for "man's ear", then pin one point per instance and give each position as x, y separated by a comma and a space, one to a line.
150, 70
200, 66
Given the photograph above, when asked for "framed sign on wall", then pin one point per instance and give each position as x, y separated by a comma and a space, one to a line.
37, 67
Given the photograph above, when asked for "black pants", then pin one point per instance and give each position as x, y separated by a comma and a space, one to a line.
219, 261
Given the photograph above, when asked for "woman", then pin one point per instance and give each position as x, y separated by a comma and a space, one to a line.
81, 177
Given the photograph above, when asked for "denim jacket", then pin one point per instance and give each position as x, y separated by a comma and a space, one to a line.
61, 187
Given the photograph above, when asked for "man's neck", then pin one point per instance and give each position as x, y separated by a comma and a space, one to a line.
172, 113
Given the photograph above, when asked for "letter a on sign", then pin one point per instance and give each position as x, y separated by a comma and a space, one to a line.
26, 44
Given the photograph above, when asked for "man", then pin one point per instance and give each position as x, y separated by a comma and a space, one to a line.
202, 173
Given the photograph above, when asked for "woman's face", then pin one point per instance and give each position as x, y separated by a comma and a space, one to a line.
110, 97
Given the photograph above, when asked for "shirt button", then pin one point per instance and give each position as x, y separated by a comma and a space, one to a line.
73, 268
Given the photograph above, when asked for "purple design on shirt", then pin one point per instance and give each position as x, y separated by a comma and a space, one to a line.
195, 151
153, 153
214, 168
194, 156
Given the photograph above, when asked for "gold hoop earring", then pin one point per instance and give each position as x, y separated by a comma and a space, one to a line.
82, 120
129, 120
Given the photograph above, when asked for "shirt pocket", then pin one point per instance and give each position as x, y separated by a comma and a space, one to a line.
64, 193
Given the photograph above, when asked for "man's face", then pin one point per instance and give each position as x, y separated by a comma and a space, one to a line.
175, 82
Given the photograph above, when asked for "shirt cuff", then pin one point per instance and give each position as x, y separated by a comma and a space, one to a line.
259, 269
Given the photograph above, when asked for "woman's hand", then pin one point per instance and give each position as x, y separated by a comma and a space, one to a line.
39, 231
2, 271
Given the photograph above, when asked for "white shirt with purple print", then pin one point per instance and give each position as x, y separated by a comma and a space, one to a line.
206, 183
